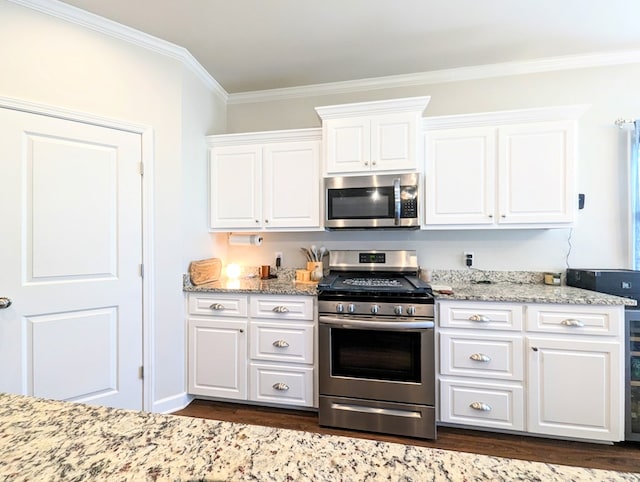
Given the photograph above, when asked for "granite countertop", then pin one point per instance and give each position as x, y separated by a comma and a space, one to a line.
531, 293
517, 289
52, 441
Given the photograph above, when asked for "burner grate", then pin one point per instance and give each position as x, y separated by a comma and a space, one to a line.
373, 282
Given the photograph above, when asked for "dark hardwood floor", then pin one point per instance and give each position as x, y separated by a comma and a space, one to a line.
624, 456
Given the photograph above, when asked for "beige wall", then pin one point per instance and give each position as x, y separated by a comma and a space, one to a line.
53, 62
599, 238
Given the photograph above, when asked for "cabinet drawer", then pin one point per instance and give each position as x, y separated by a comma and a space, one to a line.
575, 319
499, 405
282, 307
218, 305
281, 384
478, 355
485, 316
282, 342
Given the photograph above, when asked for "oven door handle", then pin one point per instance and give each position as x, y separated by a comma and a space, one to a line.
379, 325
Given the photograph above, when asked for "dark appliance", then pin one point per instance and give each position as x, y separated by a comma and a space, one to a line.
376, 344
625, 283
390, 201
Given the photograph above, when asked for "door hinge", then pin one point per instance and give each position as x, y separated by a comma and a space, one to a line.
141, 167
142, 270
141, 372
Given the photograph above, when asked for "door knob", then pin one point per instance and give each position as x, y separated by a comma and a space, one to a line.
4, 303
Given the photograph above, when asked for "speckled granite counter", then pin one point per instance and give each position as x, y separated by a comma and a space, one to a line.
55, 441
531, 293
283, 285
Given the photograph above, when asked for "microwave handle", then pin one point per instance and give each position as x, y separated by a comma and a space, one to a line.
396, 197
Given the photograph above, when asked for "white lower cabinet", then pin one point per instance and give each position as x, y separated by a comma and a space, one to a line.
253, 347
560, 373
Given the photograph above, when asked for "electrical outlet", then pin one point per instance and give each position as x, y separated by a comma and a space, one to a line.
279, 256
468, 258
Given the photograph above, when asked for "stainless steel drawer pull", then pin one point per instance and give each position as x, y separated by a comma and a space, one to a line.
280, 344
217, 307
482, 318
281, 386
480, 406
572, 322
480, 357
280, 309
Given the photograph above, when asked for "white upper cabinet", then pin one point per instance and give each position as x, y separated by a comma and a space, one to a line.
511, 169
372, 136
265, 180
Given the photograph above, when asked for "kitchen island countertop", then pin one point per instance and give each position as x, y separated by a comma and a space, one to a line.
47, 440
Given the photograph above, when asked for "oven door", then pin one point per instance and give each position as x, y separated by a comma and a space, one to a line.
377, 360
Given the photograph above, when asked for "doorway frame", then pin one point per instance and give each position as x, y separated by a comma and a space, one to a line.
147, 158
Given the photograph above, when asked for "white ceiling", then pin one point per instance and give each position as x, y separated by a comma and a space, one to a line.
250, 45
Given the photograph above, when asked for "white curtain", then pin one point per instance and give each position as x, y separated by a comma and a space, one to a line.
635, 194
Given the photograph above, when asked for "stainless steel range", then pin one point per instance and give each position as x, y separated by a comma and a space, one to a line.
376, 344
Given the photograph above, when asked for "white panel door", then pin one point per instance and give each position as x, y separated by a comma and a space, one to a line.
70, 254
291, 185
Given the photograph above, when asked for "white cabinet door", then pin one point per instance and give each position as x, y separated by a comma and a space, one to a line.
235, 188
291, 185
218, 358
394, 141
574, 388
460, 176
347, 145
536, 173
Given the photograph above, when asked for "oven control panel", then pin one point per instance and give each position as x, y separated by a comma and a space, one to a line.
376, 308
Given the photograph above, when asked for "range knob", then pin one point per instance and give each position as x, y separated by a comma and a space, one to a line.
397, 310
411, 310
339, 308
351, 308
375, 309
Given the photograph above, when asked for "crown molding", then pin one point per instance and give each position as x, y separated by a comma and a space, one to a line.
568, 62
289, 135
536, 114
409, 104
80, 17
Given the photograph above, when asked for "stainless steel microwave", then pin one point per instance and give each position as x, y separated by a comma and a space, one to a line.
389, 201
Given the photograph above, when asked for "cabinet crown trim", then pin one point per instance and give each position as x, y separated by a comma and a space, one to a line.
538, 114
288, 135
408, 104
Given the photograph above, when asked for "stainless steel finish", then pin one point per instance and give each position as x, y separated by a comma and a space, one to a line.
397, 261
393, 181
365, 308
369, 415
5, 302
217, 307
280, 344
422, 393
481, 318
572, 322
374, 309
396, 200
381, 324
480, 357
480, 406
283, 387
280, 309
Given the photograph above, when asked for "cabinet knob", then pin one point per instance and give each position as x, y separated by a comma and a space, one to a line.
280, 344
490, 216
257, 221
217, 307
534, 348
366, 163
374, 163
481, 357
241, 330
280, 309
480, 406
572, 322
266, 221
503, 216
478, 317
281, 386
